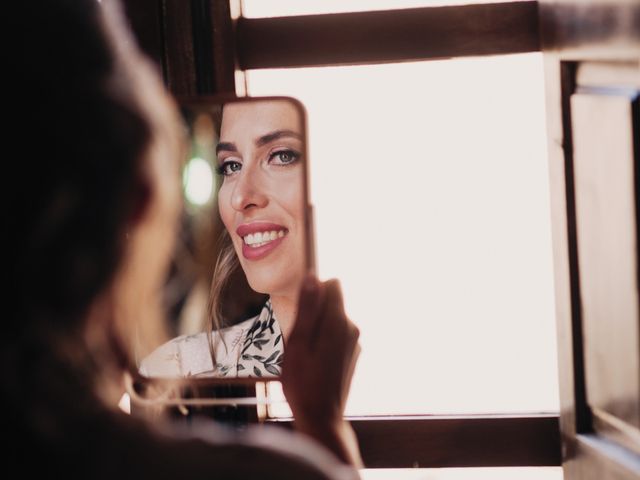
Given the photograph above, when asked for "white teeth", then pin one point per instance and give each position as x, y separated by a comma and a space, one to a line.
259, 239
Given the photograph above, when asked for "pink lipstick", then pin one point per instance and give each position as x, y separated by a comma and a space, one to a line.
260, 238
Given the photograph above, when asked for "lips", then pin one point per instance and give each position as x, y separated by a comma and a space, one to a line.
260, 238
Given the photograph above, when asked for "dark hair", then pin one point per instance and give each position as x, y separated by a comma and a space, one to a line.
93, 139
81, 135
80, 132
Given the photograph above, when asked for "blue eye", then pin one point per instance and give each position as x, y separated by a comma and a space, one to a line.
284, 157
229, 167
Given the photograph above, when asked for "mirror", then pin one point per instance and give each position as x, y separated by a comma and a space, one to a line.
244, 246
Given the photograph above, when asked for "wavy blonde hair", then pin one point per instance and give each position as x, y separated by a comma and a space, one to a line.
224, 310
226, 264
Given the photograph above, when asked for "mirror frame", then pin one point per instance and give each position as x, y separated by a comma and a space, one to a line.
134, 381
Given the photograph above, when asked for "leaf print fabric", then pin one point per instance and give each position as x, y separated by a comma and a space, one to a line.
262, 348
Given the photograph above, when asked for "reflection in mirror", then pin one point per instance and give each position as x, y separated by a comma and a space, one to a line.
232, 295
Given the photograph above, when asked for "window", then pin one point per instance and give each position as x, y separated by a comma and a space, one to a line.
430, 187
479, 336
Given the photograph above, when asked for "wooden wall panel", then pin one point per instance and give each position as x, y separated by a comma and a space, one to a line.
604, 169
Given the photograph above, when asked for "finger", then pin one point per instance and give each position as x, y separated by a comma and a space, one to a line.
334, 303
332, 319
351, 368
309, 307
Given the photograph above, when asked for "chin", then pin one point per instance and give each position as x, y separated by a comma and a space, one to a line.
271, 283
265, 285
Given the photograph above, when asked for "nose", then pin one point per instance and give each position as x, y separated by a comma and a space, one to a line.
248, 191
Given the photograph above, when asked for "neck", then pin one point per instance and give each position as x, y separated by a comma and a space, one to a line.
284, 309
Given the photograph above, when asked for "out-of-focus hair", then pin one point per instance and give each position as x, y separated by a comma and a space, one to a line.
82, 132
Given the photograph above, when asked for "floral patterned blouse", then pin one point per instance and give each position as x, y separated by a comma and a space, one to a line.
252, 348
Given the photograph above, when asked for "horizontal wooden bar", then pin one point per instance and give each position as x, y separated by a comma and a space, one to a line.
387, 36
458, 441
588, 30
602, 458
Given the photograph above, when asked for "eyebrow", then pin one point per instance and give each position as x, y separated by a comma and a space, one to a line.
261, 141
226, 147
270, 137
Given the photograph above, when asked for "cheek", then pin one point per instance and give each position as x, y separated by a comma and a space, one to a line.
289, 193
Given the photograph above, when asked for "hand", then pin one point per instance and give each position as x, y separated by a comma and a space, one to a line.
320, 358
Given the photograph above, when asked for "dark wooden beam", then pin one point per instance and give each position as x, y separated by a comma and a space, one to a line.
602, 29
145, 20
224, 55
213, 46
192, 42
179, 54
457, 441
388, 36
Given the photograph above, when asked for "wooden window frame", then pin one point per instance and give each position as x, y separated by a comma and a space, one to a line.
202, 49
454, 441
387, 36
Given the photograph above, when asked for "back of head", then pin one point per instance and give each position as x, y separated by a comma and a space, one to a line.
79, 134
93, 197
80, 138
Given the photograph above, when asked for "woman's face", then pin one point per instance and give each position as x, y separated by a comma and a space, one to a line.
261, 198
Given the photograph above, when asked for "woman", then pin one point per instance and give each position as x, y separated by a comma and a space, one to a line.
87, 255
262, 205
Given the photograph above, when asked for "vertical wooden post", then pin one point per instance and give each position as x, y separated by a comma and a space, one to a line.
192, 42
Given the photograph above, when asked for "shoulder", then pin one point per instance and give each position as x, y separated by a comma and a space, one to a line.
200, 449
274, 454
190, 355
178, 357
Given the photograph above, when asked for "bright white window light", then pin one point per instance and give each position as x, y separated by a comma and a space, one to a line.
198, 181
450, 157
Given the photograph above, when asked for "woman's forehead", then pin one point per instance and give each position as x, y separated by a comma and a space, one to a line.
251, 120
